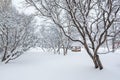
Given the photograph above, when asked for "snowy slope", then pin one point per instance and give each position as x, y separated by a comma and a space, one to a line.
38, 65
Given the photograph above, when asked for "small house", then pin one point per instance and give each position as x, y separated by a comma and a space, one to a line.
76, 47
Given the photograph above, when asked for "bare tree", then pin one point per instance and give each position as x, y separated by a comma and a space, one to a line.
91, 18
115, 36
52, 38
16, 33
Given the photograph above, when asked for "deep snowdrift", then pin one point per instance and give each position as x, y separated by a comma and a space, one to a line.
38, 65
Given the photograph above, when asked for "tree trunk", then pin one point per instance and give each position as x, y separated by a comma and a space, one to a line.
58, 50
97, 62
113, 45
64, 51
4, 56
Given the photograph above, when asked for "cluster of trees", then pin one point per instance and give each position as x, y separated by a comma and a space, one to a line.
92, 20
89, 22
16, 32
51, 38
115, 36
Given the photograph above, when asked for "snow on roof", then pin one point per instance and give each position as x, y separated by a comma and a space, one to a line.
76, 44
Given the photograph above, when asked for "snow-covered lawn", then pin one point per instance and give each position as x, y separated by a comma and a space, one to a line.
38, 65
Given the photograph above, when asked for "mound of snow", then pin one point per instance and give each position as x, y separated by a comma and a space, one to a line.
38, 65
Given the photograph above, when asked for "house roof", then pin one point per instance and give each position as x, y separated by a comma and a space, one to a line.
76, 44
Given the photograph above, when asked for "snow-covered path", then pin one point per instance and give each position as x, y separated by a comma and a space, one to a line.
38, 65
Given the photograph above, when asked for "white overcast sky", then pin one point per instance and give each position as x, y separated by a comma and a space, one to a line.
19, 4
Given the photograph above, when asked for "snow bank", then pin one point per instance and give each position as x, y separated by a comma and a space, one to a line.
39, 65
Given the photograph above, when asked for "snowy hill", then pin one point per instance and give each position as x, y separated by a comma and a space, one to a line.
39, 65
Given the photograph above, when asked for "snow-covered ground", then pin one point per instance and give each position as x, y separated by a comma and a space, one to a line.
38, 65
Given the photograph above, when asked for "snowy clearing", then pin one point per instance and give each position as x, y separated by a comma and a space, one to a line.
39, 65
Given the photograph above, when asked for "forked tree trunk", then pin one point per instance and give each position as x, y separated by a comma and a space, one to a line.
97, 62
95, 58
